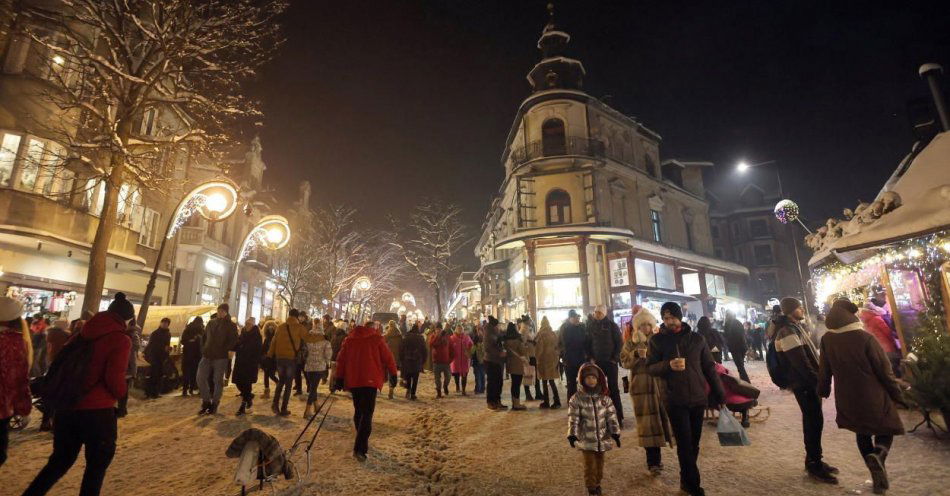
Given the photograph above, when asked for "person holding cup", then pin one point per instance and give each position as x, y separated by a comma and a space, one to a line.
682, 359
653, 425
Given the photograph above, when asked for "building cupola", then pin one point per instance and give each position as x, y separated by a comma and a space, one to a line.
556, 70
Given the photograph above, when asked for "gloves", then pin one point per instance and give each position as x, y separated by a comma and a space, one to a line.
616, 439
572, 440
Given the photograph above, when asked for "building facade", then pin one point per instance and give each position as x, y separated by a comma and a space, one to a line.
589, 214
50, 204
745, 231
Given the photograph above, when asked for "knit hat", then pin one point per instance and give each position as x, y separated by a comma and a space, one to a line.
121, 307
10, 309
673, 309
789, 305
841, 314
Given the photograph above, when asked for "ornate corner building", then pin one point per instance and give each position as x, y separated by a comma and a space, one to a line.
589, 214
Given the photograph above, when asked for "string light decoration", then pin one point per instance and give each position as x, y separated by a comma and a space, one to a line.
271, 232
925, 254
213, 200
786, 211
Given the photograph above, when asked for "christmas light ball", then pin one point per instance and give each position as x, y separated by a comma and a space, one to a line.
786, 211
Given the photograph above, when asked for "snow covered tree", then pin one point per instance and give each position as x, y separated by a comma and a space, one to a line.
131, 81
428, 242
295, 265
340, 249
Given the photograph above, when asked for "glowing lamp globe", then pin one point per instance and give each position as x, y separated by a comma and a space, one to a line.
786, 211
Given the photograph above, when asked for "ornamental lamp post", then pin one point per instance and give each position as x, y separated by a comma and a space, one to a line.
786, 211
360, 286
214, 200
271, 232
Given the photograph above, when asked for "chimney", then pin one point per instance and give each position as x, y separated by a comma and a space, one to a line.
931, 72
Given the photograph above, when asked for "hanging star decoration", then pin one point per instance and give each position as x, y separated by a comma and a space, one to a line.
786, 211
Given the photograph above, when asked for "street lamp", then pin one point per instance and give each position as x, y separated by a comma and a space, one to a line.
214, 200
742, 167
271, 232
360, 286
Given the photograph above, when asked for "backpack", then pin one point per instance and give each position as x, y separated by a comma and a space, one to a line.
62, 386
776, 370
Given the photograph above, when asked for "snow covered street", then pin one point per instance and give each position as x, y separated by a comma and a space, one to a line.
456, 446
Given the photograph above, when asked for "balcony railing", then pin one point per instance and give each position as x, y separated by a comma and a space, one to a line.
573, 145
199, 236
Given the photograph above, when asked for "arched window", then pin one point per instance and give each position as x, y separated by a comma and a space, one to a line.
558, 207
553, 141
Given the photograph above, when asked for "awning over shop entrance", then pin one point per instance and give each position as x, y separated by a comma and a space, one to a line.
180, 316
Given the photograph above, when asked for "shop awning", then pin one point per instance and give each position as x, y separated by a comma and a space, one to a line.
671, 295
733, 299
180, 316
517, 239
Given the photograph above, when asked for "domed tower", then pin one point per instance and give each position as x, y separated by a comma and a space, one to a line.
556, 70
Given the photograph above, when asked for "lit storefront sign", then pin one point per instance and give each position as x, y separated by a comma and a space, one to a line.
619, 275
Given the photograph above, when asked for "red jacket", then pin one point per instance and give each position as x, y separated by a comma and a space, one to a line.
363, 359
15, 396
105, 377
441, 348
875, 324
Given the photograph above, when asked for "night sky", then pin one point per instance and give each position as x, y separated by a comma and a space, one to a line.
379, 103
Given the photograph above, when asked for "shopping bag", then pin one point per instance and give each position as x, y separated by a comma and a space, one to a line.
529, 372
729, 430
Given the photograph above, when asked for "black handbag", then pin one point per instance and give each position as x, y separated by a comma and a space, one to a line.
300, 354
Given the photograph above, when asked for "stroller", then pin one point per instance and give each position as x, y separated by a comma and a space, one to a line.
261, 459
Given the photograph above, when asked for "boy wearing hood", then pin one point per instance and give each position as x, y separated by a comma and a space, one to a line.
592, 424
681, 357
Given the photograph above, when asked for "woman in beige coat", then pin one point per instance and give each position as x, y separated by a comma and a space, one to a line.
548, 351
653, 425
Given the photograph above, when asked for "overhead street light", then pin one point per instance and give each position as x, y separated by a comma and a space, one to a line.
214, 200
271, 233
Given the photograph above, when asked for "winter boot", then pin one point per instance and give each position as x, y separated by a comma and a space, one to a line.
516, 405
241, 411
818, 472
213, 409
391, 392
274, 407
745, 419
592, 490
407, 394
875, 464
205, 408
626, 385
527, 394
544, 405
307, 411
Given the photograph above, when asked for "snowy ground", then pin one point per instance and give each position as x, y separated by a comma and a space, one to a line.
456, 446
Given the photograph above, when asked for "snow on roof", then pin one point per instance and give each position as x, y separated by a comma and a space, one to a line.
925, 197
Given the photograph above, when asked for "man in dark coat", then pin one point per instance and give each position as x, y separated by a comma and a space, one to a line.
494, 365
156, 354
191, 355
247, 358
736, 341
219, 339
604, 343
681, 357
412, 357
798, 359
573, 336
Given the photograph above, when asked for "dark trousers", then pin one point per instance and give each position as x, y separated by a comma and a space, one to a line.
298, 380
189, 375
550, 389
653, 456
412, 382
270, 375
478, 370
868, 444
516, 386
313, 381
4, 439
156, 379
286, 370
739, 359
245, 389
74, 429
460, 380
364, 404
570, 371
493, 372
610, 368
812, 422
687, 425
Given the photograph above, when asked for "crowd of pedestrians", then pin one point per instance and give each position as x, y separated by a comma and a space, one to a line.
673, 376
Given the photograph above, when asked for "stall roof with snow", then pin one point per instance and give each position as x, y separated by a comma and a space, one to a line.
914, 202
